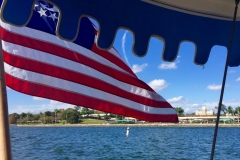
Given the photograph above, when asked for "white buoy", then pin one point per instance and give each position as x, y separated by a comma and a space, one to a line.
127, 131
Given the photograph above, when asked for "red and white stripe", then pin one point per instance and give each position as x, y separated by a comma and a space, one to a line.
40, 64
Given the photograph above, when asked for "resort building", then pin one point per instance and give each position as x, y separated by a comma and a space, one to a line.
204, 112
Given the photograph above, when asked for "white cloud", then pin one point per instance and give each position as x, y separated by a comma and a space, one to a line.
55, 102
171, 65
38, 98
238, 79
175, 99
123, 47
158, 84
196, 105
214, 87
178, 100
139, 68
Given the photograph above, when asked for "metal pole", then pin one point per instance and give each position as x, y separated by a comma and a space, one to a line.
224, 80
5, 142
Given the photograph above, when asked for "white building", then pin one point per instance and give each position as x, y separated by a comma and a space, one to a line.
204, 112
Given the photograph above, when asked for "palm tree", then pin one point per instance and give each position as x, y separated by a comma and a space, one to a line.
223, 108
47, 114
56, 112
237, 111
230, 110
67, 113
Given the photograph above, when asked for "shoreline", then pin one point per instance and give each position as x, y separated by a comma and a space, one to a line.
132, 125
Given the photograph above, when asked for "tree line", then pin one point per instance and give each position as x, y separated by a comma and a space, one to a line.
70, 115
230, 110
76, 114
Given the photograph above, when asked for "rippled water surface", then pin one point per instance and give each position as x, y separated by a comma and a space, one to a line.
111, 143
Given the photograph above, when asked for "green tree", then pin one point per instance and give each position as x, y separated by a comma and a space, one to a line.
77, 108
12, 119
98, 116
30, 116
71, 115
180, 111
48, 113
237, 110
16, 115
85, 111
223, 108
106, 117
119, 117
56, 111
36, 117
48, 117
230, 110
23, 115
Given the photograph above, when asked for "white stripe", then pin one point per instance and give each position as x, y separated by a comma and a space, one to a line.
111, 50
43, 36
77, 88
76, 67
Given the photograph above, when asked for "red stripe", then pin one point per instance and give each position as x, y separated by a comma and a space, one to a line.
55, 71
71, 55
112, 58
82, 100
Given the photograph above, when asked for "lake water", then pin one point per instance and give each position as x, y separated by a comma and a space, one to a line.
111, 143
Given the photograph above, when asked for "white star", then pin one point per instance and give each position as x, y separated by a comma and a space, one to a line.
42, 12
36, 6
53, 9
53, 16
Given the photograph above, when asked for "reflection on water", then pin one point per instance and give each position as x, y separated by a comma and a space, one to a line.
111, 143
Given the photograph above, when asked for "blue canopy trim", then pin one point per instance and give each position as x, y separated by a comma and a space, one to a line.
143, 19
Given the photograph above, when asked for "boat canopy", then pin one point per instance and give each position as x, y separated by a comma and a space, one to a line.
205, 23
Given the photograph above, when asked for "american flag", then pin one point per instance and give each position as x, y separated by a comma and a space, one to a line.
38, 63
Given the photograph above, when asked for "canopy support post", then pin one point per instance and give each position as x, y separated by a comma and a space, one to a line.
5, 141
224, 79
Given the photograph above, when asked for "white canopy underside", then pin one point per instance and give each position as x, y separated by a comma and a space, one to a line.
219, 9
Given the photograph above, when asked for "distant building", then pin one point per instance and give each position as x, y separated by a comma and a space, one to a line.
204, 112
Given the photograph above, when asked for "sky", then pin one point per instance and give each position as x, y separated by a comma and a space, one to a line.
182, 83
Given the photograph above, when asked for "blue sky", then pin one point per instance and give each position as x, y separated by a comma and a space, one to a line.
182, 83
